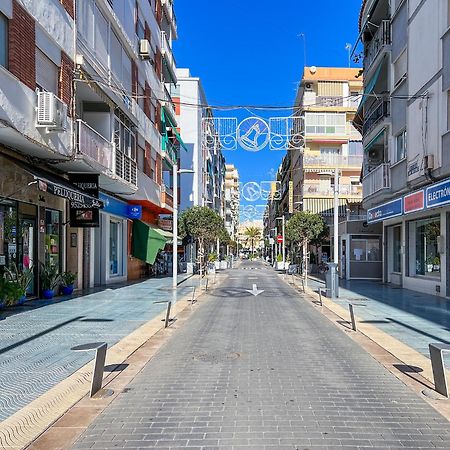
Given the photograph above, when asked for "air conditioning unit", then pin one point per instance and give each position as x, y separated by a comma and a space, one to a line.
308, 86
144, 48
428, 162
51, 112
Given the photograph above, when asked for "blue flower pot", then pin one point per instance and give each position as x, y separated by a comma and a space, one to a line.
21, 300
2, 304
67, 290
48, 294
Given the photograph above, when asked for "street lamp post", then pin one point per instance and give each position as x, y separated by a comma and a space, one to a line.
175, 173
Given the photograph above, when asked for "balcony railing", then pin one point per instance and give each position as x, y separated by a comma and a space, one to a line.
332, 161
380, 110
126, 168
377, 180
94, 145
169, 105
167, 196
381, 39
170, 13
328, 191
168, 54
329, 101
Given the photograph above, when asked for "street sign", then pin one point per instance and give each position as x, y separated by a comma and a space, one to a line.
279, 239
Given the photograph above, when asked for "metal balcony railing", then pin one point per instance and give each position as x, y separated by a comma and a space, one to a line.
170, 12
169, 105
93, 144
381, 39
328, 191
376, 180
167, 54
376, 114
332, 161
126, 168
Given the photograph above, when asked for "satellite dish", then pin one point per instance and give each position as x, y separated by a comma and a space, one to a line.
313, 69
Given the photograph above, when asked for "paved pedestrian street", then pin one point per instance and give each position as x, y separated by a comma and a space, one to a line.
264, 371
35, 339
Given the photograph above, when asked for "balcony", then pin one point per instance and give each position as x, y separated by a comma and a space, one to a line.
380, 110
170, 14
170, 153
332, 161
377, 180
169, 60
169, 106
126, 168
329, 101
315, 189
166, 197
379, 42
94, 145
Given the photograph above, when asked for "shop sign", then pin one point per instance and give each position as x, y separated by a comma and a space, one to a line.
438, 194
385, 211
291, 197
134, 212
83, 214
414, 202
165, 224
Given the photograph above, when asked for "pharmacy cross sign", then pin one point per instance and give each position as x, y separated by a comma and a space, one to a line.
253, 134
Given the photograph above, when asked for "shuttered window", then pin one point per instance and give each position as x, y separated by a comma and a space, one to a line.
400, 68
46, 73
330, 89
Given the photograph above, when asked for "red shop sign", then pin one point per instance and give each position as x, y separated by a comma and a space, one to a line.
414, 202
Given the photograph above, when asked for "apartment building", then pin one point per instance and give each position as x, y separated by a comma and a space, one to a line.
405, 121
206, 186
232, 200
86, 138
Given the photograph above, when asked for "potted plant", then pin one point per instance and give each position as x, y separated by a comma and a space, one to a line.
67, 281
17, 283
429, 264
436, 264
213, 261
49, 280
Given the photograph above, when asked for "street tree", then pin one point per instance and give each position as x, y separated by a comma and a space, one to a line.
203, 224
305, 227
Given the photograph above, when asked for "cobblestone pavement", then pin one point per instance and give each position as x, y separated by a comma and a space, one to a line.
35, 339
413, 318
265, 372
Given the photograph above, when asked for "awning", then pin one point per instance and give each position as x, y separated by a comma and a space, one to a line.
374, 140
146, 242
61, 187
369, 88
165, 116
324, 206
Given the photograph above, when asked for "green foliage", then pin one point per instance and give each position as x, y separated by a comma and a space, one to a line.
212, 257
224, 236
200, 222
306, 226
253, 236
68, 278
50, 276
279, 258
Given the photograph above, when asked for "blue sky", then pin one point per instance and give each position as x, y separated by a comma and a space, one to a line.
249, 52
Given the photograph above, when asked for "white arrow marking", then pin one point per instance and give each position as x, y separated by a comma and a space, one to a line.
254, 290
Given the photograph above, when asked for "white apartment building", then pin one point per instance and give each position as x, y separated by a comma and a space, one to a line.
85, 104
206, 186
405, 120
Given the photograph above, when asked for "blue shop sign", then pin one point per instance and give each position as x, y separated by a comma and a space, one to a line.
385, 211
118, 208
438, 194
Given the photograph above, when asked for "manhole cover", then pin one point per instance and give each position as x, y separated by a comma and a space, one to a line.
216, 357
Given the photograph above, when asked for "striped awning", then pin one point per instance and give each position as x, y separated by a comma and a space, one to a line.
324, 206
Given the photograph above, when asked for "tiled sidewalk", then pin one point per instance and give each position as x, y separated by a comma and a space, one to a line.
411, 317
35, 339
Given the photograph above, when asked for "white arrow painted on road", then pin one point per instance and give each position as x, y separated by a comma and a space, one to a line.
254, 291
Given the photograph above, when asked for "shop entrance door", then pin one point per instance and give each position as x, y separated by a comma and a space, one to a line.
27, 251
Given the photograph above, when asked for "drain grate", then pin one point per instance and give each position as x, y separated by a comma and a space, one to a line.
216, 357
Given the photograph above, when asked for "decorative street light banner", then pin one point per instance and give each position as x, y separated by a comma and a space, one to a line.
264, 190
253, 134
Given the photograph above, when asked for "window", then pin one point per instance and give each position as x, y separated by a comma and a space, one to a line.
397, 247
53, 238
140, 158
355, 99
424, 258
115, 247
46, 73
3, 41
101, 36
400, 68
400, 146
365, 250
325, 123
124, 137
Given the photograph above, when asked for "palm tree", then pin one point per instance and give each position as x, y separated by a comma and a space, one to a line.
253, 235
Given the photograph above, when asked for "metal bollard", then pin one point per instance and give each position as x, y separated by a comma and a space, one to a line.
320, 297
166, 322
303, 284
206, 284
99, 363
193, 295
437, 364
352, 317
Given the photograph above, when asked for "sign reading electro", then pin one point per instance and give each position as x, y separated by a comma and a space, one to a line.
438, 194
385, 211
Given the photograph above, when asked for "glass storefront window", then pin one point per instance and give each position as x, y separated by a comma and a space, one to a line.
53, 238
8, 233
364, 250
397, 246
115, 247
423, 247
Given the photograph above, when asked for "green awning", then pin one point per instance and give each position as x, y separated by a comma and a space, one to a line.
146, 242
374, 140
166, 118
369, 88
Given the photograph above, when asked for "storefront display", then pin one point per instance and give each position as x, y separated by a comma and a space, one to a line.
53, 237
